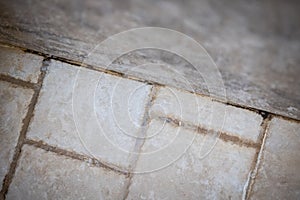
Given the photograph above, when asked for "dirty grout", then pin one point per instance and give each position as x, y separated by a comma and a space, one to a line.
226, 137
18, 82
26, 121
70, 154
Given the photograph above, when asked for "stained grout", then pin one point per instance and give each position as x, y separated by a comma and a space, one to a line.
70, 154
18, 82
226, 137
130, 77
258, 157
26, 121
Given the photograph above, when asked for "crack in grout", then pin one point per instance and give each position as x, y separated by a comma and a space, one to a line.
22, 135
140, 141
130, 77
74, 155
258, 158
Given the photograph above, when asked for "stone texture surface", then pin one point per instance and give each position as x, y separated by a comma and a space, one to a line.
278, 176
255, 44
45, 175
221, 174
14, 102
20, 65
107, 110
204, 112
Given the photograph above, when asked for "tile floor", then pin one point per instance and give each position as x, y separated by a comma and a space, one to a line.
68, 132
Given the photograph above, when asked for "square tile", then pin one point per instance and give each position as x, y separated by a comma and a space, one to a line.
90, 112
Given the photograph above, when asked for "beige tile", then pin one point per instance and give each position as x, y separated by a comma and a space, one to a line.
221, 174
14, 102
89, 112
278, 176
46, 175
20, 65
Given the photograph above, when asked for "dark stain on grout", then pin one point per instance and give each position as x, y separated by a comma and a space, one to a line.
17, 82
237, 140
26, 121
70, 154
226, 137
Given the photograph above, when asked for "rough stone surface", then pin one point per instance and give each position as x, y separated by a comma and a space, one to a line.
14, 102
45, 175
278, 176
89, 112
220, 174
20, 65
204, 112
255, 44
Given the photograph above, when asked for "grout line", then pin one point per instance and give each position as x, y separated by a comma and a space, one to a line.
90, 160
130, 77
127, 187
226, 137
141, 139
257, 159
17, 82
223, 136
84, 65
13, 165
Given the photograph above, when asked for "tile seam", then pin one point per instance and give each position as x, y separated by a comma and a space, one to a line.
22, 134
74, 155
18, 82
224, 136
130, 77
140, 141
257, 159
